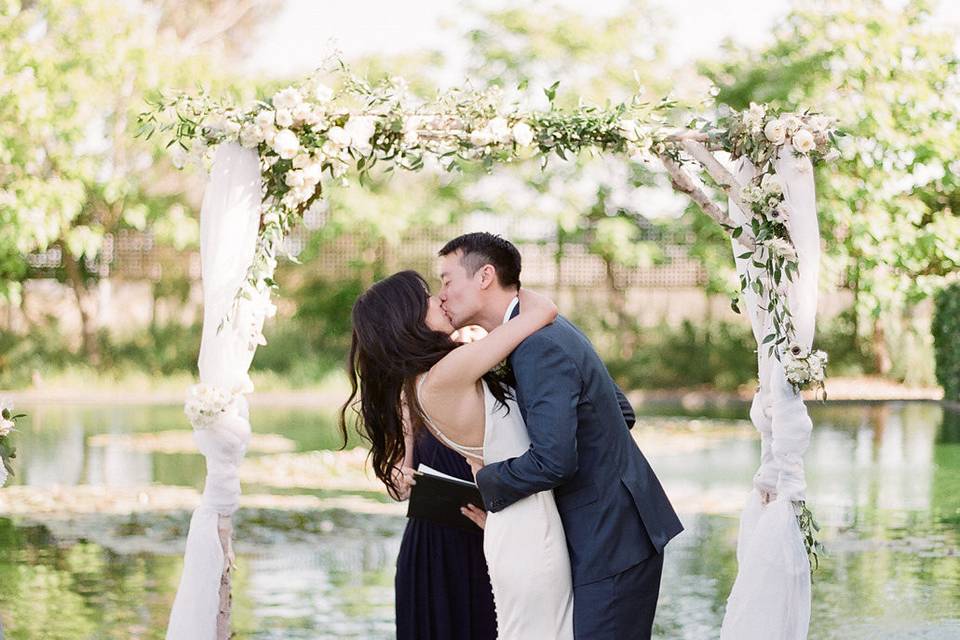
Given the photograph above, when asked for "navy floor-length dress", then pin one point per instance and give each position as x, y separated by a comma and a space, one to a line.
442, 586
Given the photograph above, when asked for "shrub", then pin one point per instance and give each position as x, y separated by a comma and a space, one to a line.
946, 340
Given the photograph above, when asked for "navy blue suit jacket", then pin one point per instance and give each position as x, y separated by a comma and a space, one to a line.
615, 513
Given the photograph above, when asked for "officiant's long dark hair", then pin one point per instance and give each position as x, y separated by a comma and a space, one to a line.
392, 345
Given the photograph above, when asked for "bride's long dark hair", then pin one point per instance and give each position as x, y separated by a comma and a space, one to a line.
390, 347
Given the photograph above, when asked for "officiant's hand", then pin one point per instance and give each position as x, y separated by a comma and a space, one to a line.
405, 481
477, 516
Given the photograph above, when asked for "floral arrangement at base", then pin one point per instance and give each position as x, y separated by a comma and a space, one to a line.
8, 424
205, 404
805, 368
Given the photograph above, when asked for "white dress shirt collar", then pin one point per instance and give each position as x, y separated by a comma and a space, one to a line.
510, 309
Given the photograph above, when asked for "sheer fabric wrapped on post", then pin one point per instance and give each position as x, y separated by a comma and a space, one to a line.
229, 221
770, 599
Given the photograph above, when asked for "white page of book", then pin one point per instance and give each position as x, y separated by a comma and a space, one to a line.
424, 469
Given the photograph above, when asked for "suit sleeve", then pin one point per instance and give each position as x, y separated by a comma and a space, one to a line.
551, 386
629, 416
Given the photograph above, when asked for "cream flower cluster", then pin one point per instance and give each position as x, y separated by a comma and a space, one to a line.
258, 308
498, 131
6, 417
205, 403
781, 248
8, 423
804, 367
765, 198
290, 107
804, 132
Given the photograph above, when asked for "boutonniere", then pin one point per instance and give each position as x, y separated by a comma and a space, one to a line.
502, 369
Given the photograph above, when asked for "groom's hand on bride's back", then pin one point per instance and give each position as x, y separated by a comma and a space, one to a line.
476, 515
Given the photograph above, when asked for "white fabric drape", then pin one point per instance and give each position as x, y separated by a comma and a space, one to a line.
770, 599
229, 220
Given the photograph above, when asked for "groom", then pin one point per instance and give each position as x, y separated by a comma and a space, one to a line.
615, 514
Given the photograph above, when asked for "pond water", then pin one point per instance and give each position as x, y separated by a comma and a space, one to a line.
884, 480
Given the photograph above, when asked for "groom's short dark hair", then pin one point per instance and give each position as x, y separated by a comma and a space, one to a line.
480, 248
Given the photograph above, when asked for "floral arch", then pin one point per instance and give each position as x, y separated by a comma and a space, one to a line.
270, 161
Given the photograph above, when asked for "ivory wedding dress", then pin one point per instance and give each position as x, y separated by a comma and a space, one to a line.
524, 543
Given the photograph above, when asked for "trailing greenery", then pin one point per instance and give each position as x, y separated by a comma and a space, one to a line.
946, 340
809, 529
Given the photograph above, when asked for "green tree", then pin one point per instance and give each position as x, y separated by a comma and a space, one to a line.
602, 203
888, 208
73, 76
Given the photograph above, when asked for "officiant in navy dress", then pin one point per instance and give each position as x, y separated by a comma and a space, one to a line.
442, 585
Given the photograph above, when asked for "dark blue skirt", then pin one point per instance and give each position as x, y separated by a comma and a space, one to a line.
442, 585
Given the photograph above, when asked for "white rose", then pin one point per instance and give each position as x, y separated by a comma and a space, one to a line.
316, 118
301, 160
286, 99
322, 93
523, 134
6, 426
753, 118
751, 194
301, 112
480, 137
499, 129
286, 144
231, 127
294, 178
782, 248
304, 193
250, 135
269, 133
411, 130
284, 117
271, 217
820, 123
792, 123
803, 141
361, 130
312, 173
216, 124
289, 200
771, 184
775, 131
338, 136
331, 150
265, 118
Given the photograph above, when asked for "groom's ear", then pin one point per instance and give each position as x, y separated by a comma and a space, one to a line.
488, 276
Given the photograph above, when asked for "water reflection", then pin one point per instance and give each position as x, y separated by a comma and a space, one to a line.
884, 479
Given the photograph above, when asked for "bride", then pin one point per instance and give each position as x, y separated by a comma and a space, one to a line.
401, 356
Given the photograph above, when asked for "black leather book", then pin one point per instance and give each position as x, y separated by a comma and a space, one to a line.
438, 498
